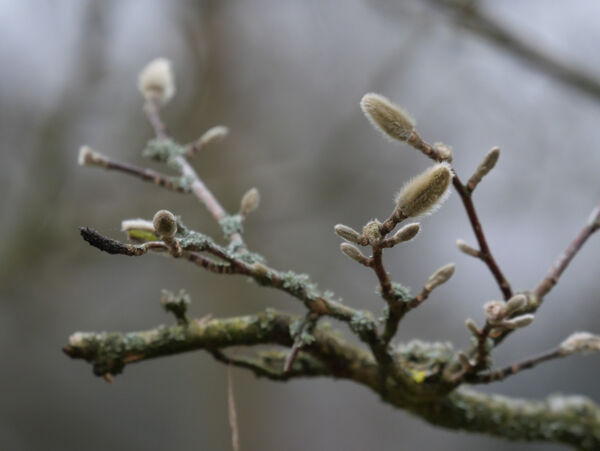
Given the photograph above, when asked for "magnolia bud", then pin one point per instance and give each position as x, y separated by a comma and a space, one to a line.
515, 303
443, 151
353, 252
213, 135
372, 233
484, 167
349, 234
517, 322
426, 192
89, 157
390, 119
250, 201
472, 326
580, 342
466, 249
406, 233
495, 311
440, 277
156, 82
165, 224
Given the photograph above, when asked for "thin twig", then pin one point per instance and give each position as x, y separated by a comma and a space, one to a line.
145, 174
565, 258
498, 375
233, 422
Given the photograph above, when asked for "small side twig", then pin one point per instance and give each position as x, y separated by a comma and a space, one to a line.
233, 422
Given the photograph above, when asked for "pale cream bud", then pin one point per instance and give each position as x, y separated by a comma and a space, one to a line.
426, 192
89, 157
406, 233
515, 303
517, 322
488, 163
165, 224
250, 201
440, 277
466, 249
349, 234
156, 81
495, 311
213, 135
353, 252
580, 342
390, 119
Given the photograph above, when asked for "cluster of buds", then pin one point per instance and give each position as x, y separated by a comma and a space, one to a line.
501, 314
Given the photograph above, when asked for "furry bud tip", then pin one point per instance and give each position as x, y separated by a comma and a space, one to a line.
349, 234
406, 233
165, 224
89, 157
517, 322
515, 303
466, 249
352, 251
580, 342
495, 311
250, 201
372, 233
156, 81
390, 119
440, 277
472, 327
426, 192
443, 152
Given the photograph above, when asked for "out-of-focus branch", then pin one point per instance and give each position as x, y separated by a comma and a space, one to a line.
468, 15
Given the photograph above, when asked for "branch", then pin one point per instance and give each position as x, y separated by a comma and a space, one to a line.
470, 17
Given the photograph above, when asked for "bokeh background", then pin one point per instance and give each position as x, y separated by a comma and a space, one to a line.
286, 77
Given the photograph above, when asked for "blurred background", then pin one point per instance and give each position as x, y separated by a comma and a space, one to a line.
286, 77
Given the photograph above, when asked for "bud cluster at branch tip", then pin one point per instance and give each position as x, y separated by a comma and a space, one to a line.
498, 313
388, 118
156, 81
165, 224
426, 192
372, 233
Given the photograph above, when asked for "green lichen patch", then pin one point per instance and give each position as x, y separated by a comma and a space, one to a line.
164, 151
231, 224
298, 284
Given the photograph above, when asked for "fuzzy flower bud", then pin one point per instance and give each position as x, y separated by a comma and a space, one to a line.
426, 192
165, 224
371, 231
250, 201
495, 311
390, 119
137, 224
443, 151
580, 342
517, 322
89, 157
213, 135
349, 234
406, 233
156, 81
515, 303
440, 277
472, 326
488, 163
466, 249
353, 252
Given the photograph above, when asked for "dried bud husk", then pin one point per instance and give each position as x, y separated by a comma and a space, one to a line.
484, 167
354, 253
349, 234
517, 322
165, 224
156, 81
466, 249
372, 233
426, 192
440, 277
495, 311
390, 119
515, 303
406, 233
580, 342
250, 201
89, 157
